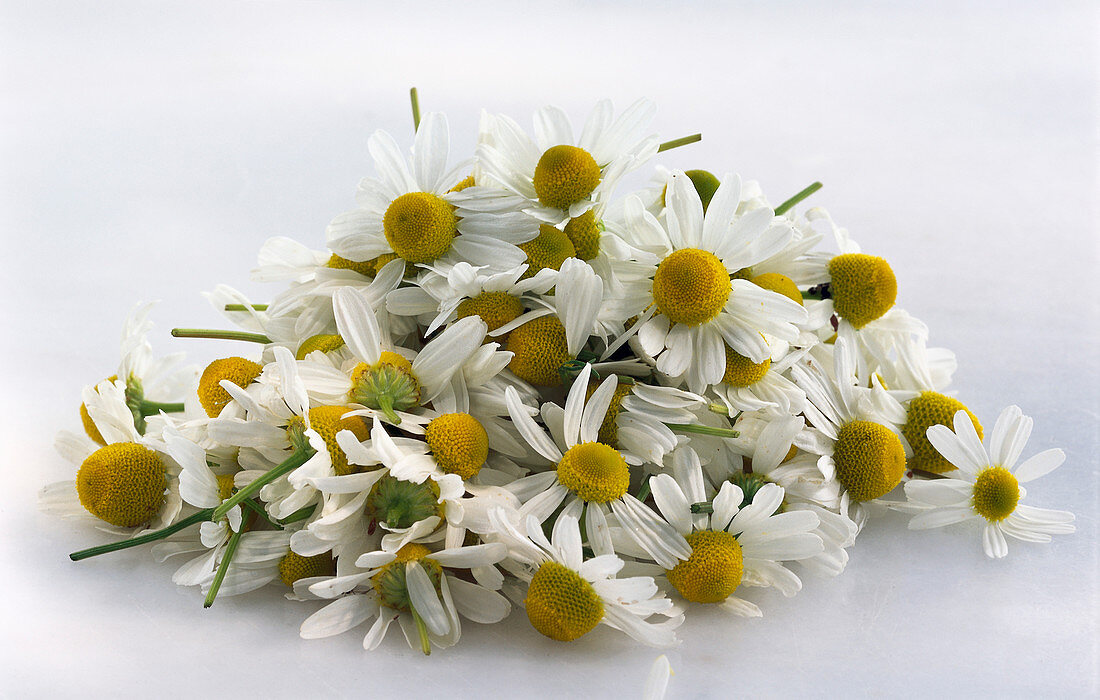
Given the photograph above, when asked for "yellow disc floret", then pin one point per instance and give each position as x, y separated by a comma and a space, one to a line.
547, 251
420, 226
294, 566
565, 175
713, 572
691, 286
539, 348
594, 471
928, 409
89, 424
329, 420
863, 287
870, 459
780, 284
225, 485
238, 370
324, 342
741, 371
560, 604
495, 308
464, 183
122, 483
996, 493
609, 429
458, 443
584, 232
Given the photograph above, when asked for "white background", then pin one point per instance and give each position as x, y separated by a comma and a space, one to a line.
150, 148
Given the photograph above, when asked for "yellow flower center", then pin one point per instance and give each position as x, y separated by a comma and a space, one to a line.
387, 386
89, 424
238, 370
225, 486
565, 175
691, 286
495, 308
870, 459
322, 341
294, 566
584, 232
420, 226
594, 471
548, 250
780, 284
741, 371
327, 421
863, 287
458, 443
539, 348
996, 493
465, 182
122, 483
390, 581
928, 409
560, 604
609, 429
713, 571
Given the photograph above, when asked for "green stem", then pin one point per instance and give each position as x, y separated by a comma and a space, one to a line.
806, 192
201, 516
385, 405
643, 492
422, 629
298, 515
223, 567
242, 307
291, 463
152, 408
220, 335
415, 99
259, 512
676, 143
703, 507
719, 408
703, 430
818, 291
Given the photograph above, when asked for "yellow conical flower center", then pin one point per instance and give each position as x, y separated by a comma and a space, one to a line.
122, 483
691, 286
388, 386
609, 429
741, 371
996, 493
390, 581
713, 571
780, 284
89, 424
547, 251
539, 348
928, 409
565, 175
495, 308
870, 459
294, 566
458, 443
420, 226
863, 287
368, 268
584, 232
225, 486
329, 420
464, 183
560, 604
322, 341
594, 471
238, 370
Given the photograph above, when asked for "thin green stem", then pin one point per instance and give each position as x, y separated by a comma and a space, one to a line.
298, 515
676, 143
703, 507
288, 465
703, 430
152, 408
223, 567
806, 192
719, 408
415, 99
201, 516
242, 307
385, 405
259, 512
819, 291
220, 335
643, 492
422, 630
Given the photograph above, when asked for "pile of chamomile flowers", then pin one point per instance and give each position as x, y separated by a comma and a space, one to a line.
503, 385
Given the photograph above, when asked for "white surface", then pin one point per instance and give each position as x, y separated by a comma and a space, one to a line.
150, 148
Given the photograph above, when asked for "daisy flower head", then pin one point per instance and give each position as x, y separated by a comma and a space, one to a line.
568, 596
988, 486
557, 175
412, 210
693, 308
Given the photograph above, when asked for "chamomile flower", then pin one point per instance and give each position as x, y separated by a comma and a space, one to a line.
636, 422
988, 486
410, 210
754, 386
568, 596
